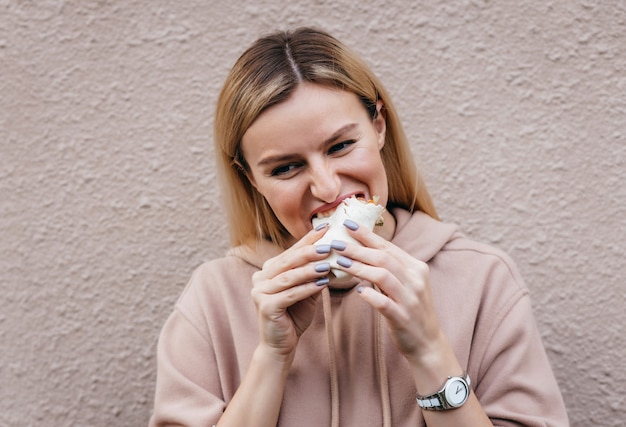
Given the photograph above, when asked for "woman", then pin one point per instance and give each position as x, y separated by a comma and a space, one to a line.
267, 336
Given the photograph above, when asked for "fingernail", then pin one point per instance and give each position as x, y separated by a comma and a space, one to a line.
344, 262
322, 249
351, 224
359, 289
322, 267
338, 245
321, 226
322, 281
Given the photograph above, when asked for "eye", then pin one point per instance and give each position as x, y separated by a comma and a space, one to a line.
284, 170
341, 146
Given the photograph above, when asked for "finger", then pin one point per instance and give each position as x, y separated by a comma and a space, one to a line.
384, 304
409, 271
375, 266
274, 304
310, 272
312, 236
374, 249
364, 235
302, 252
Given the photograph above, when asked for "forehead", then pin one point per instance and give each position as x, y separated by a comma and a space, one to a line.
311, 113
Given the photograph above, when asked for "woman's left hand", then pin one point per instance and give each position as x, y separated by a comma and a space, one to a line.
405, 299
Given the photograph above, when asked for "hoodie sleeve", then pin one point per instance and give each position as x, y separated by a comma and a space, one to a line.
515, 382
205, 345
186, 393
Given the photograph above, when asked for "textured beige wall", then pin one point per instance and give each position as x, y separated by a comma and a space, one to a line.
517, 109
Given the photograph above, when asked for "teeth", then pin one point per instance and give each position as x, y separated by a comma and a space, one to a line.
329, 213
326, 214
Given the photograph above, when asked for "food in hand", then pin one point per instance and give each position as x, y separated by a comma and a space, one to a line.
365, 213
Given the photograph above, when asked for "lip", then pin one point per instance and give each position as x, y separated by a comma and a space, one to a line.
330, 206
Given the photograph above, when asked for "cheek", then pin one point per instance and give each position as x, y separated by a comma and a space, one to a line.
376, 177
369, 165
285, 200
283, 206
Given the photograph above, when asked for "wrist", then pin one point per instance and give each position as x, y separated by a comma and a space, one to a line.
273, 360
433, 367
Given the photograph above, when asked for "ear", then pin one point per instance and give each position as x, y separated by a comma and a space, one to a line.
248, 174
244, 170
380, 123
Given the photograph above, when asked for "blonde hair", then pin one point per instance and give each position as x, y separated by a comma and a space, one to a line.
265, 75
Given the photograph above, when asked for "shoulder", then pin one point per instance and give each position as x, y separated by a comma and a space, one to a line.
220, 273
480, 256
217, 286
481, 272
448, 250
474, 278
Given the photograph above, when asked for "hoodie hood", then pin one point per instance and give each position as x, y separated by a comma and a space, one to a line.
421, 234
256, 253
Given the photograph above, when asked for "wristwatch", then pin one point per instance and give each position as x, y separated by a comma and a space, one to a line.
453, 394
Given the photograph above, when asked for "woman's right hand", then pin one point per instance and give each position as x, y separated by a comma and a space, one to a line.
285, 293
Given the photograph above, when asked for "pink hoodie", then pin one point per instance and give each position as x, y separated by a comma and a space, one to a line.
483, 307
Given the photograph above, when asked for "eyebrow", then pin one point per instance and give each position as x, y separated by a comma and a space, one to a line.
283, 157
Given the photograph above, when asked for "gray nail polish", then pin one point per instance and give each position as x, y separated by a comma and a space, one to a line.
322, 281
322, 267
344, 262
338, 245
351, 224
321, 226
322, 249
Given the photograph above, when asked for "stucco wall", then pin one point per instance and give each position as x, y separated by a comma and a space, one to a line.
516, 108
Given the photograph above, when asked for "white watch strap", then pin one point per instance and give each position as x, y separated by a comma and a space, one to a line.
437, 401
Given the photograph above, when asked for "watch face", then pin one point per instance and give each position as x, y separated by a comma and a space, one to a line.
456, 393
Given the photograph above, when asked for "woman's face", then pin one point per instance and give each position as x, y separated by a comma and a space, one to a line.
308, 153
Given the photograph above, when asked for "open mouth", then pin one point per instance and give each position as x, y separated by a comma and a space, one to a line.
329, 212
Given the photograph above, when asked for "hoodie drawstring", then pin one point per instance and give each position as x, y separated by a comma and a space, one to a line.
334, 382
382, 370
380, 362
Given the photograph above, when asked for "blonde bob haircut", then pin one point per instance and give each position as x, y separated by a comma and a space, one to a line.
265, 75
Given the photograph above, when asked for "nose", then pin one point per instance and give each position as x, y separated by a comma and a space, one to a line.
325, 182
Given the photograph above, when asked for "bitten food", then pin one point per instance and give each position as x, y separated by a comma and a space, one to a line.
365, 213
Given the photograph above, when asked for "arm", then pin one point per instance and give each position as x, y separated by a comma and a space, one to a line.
416, 333
407, 303
202, 380
285, 295
513, 378
258, 398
